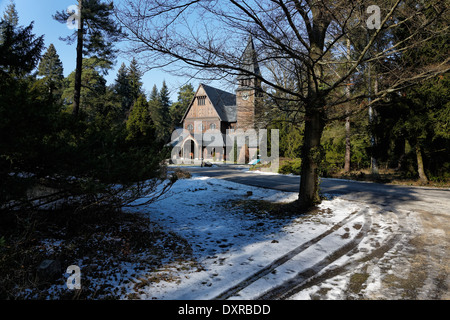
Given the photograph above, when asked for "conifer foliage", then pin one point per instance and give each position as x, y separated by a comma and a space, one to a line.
84, 160
128, 85
97, 32
51, 69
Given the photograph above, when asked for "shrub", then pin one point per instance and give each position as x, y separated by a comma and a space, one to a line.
291, 166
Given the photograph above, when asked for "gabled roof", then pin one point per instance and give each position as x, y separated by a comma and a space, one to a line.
223, 102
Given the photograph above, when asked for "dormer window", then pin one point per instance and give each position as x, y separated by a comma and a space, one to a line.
201, 100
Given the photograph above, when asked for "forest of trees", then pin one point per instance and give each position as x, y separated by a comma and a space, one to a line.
323, 61
75, 150
82, 138
103, 151
410, 129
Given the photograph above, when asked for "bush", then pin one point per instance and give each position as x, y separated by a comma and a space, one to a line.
89, 161
291, 167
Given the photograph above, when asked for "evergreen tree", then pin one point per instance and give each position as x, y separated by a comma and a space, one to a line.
134, 76
128, 85
159, 108
139, 123
106, 170
10, 15
159, 112
96, 34
20, 49
122, 89
164, 99
51, 69
93, 86
155, 107
24, 114
164, 95
154, 96
420, 113
178, 109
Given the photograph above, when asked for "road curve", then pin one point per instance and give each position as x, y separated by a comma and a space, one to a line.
411, 261
405, 197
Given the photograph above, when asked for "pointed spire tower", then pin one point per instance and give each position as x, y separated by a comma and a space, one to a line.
249, 87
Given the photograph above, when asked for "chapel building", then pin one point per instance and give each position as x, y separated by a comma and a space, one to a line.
215, 110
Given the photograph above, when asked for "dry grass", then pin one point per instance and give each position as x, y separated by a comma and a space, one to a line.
182, 174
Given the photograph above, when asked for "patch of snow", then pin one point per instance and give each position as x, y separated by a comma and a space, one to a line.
233, 240
230, 244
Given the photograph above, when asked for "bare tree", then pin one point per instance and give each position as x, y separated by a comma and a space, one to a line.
305, 37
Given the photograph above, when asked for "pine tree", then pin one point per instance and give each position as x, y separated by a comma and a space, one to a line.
20, 49
164, 101
139, 123
154, 105
96, 34
160, 112
93, 86
128, 85
134, 76
10, 15
164, 98
178, 109
51, 69
24, 115
156, 113
122, 89
424, 107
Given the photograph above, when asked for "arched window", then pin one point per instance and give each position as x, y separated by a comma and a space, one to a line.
212, 126
190, 127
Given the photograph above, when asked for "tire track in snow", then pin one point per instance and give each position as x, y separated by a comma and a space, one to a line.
283, 259
314, 275
284, 290
319, 277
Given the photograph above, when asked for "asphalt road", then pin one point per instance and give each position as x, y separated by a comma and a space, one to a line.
413, 264
432, 200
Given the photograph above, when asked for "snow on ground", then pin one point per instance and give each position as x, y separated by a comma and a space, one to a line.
343, 249
232, 245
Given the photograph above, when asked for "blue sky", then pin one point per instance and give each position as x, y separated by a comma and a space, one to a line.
41, 11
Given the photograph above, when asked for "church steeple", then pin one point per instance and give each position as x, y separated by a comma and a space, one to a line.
250, 66
248, 87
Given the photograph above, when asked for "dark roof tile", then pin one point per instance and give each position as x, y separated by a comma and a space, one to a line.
224, 103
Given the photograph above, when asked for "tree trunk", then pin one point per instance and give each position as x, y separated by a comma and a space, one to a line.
348, 146
347, 119
399, 152
373, 160
79, 65
312, 151
422, 176
312, 155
